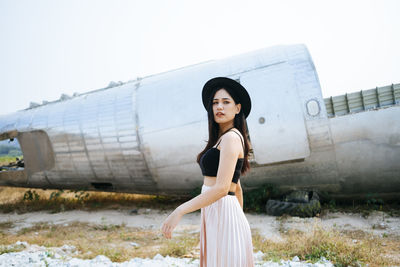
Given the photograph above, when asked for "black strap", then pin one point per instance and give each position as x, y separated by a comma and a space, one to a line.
234, 132
227, 131
222, 135
240, 138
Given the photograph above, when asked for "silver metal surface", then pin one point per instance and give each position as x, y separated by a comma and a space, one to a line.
144, 136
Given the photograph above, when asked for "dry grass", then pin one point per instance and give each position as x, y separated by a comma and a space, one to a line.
340, 247
343, 248
6, 225
5, 160
181, 246
23, 200
113, 241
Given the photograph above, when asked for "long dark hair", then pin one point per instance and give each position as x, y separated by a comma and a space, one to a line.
239, 122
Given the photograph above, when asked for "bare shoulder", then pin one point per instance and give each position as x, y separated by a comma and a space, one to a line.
231, 141
237, 132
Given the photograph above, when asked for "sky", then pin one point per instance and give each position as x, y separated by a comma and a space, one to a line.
51, 47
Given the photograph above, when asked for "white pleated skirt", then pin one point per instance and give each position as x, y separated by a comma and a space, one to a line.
225, 236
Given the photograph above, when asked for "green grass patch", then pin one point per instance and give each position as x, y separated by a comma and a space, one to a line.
5, 160
9, 249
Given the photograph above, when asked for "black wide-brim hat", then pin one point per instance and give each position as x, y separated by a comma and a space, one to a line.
237, 88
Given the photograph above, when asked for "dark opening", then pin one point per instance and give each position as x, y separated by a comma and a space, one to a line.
103, 186
11, 157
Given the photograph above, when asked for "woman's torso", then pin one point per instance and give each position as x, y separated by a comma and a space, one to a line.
211, 180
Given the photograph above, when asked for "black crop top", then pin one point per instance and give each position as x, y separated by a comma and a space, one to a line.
209, 162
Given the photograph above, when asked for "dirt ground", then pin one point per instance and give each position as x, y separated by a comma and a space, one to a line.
377, 222
112, 224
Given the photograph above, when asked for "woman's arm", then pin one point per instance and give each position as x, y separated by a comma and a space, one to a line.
239, 193
203, 200
230, 148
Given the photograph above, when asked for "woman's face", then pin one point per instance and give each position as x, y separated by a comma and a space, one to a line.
224, 107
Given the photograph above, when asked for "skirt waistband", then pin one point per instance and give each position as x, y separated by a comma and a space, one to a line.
229, 193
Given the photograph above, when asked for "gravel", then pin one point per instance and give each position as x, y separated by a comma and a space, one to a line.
34, 255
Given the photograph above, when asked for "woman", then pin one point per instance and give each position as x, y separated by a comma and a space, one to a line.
225, 237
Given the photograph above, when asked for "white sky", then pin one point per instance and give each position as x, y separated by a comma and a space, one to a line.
52, 47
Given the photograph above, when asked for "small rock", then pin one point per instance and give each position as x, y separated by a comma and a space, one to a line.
68, 248
296, 259
21, 243
102, 259
323, 259
258, 255
133, 244
158, 257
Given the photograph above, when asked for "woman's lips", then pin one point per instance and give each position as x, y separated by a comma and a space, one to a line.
220, 114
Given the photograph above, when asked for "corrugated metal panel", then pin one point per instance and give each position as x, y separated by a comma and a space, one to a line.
364, 100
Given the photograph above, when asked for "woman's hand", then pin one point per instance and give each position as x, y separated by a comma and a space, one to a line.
171, 222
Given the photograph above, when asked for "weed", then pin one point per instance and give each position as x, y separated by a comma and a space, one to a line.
179, 246
8, 249
332, 204
55, 195
81, 195
363, 206
35, 228
256, 199
50, 254
6, 225
334, 245
114, 254
374, 203
31, 195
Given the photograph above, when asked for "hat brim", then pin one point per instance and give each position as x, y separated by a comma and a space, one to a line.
240, 91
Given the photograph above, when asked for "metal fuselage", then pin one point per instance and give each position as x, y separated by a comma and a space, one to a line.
144, 136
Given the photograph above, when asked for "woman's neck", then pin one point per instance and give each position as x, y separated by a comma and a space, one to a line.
224, 128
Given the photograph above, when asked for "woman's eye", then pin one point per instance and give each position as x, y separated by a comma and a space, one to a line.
226, 102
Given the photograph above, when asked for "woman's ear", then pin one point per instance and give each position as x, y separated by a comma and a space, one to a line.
238, 107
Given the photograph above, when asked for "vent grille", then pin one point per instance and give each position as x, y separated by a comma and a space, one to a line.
378, 97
